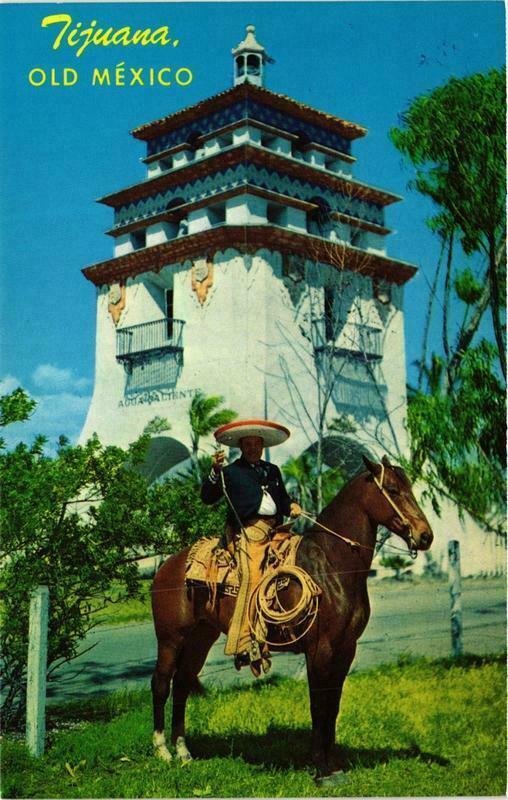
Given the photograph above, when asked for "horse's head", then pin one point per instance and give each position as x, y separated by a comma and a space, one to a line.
392, 503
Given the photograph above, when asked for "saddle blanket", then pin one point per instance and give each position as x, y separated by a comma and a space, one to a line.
210, 565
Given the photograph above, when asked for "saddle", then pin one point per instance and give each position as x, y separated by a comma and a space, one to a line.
211, 565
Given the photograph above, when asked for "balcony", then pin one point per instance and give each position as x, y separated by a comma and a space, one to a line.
144, 342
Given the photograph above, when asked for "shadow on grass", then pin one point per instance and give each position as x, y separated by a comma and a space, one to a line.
96, 679
281, 748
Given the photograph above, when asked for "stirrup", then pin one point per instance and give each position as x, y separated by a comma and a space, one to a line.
242, 660
262, 664
256, 668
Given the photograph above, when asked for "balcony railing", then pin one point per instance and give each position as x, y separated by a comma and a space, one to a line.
140, 342
363, 395
357, 341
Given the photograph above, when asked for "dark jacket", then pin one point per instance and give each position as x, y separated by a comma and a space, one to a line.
244, 488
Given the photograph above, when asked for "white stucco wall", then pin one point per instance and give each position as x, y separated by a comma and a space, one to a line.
244, 342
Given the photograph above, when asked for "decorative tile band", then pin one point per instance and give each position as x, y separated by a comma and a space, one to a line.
241, 175
254, 110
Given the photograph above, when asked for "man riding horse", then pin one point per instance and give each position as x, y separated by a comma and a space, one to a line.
257, 503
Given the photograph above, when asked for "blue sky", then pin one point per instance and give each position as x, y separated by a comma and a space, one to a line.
62, 147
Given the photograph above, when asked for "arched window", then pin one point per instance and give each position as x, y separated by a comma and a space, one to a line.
240, 66
299, 144
253, 65
174, 203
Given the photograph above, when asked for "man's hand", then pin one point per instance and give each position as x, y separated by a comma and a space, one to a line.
295, 510
218, 461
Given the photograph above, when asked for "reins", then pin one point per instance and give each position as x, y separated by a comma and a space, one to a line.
350, 542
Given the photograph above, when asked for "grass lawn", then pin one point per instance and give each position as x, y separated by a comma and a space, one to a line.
420, 728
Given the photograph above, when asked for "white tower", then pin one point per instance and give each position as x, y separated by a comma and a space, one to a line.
250, 263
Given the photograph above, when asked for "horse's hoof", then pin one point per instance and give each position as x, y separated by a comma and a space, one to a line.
163, 753
160, 747
333, 779
182, 753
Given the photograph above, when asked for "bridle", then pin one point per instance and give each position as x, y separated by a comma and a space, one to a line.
406, 525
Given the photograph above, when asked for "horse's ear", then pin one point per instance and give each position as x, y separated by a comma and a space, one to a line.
386, 461
371, 465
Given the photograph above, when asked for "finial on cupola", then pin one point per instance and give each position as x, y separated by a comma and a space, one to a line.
249, 60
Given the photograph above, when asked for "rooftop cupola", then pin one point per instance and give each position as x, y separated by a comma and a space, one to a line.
249, 60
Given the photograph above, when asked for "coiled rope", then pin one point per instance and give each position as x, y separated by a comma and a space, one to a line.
265, 607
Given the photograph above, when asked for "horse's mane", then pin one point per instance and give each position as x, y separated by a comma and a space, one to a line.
398, 471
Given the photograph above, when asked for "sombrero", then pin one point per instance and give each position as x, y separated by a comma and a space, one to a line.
271, 432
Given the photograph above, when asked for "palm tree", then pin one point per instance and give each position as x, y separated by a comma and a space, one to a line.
301, 474
205, 415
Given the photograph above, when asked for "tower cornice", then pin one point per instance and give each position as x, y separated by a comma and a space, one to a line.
244, 154
179, 212
249, 239
246, 91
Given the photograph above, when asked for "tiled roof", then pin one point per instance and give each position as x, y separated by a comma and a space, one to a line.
349, 130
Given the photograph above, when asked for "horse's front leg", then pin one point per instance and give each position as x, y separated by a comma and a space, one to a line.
326, 672
189, 665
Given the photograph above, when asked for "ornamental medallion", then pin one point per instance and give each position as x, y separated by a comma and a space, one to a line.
202, 278
116, 301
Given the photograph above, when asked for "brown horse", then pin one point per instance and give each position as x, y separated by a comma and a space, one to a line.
186, 626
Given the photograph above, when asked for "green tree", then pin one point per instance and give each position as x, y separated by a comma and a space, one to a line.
457, 438
205, 415
15, 407
454, 138
401, 566
178, 500
301, 478
76, 522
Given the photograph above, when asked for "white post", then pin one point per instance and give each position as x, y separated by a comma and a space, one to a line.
455, 596
36, 670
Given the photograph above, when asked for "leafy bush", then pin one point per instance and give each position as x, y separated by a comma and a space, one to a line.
76, 522
178, 500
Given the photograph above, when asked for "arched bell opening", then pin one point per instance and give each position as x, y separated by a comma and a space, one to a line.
194, 140
319, 219
239, 67
253, 65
